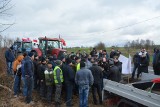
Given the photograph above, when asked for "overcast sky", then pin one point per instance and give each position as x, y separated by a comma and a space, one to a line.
85, 22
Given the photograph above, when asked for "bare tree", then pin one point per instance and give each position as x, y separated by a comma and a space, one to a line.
100, 46
5, 6
1, 41
137, 44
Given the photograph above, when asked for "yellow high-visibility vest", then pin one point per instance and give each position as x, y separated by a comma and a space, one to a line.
55, 76
78, 67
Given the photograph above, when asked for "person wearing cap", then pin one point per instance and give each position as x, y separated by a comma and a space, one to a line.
97, 85
9, 55
41, 75
58, 80
27, 69
84, 79
69, 81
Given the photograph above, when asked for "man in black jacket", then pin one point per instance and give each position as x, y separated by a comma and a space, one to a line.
68, 75
136, 63
97, 85
41, 74
113, 72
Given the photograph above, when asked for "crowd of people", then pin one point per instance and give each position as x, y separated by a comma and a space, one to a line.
74, 73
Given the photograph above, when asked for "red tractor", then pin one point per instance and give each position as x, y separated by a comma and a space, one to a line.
49, 47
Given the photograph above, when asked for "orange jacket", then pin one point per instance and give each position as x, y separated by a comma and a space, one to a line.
17, 62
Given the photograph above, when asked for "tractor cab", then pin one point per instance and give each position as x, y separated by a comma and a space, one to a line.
17, 46
26, 45
51, 46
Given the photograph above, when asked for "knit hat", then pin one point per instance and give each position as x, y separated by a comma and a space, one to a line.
61, 58
77, 58
43, 59
111, 61
82, 64
58, 62
30, 54
68, 60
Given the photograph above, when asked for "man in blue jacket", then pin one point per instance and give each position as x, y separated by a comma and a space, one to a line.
9, 55
27, 76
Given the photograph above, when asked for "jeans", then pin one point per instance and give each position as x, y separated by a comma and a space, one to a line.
96, 88
69, 93
17, 82
9, 68
24, 82
29, 89
49, 93
134, 70
83, 95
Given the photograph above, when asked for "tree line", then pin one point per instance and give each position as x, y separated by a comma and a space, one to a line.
137, 44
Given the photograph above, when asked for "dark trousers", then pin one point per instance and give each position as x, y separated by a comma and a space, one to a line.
69, 93
42, 89
58, 93
156, 69
96, 88
134, 70
49, 93
35, 81
29, 81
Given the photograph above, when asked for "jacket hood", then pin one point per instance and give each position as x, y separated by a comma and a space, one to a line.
20, 58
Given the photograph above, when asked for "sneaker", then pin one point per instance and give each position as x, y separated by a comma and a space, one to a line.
31, 103
15, 96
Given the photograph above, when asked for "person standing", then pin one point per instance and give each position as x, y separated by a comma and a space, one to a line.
136, 63
113, 53
58, 80
41, 76
17, 73
27, 76
49, 81
97, 85
143, 65
9, 55
157, 63
84, 79
68, 75
35, 77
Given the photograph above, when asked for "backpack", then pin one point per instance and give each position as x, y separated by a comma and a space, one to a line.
49, 78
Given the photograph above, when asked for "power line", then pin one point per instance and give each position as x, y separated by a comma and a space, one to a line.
123, 26
136, 23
